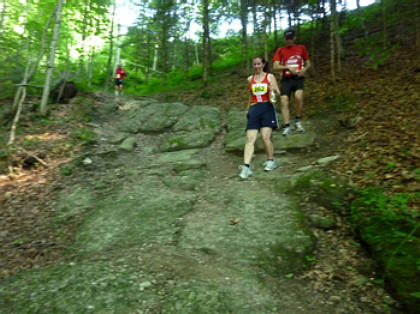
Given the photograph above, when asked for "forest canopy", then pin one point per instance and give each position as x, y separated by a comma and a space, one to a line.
44, 42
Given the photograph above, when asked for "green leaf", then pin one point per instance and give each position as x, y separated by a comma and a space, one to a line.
416, 294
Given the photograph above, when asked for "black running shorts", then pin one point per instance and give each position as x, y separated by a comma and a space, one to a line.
118, 82
261, 115
291, 84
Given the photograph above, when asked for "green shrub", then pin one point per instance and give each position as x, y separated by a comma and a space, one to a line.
391, 229
66, 170
84, 135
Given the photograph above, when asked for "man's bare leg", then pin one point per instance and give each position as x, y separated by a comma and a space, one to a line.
299, 102
285, 109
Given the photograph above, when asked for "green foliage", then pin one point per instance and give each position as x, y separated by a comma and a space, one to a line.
324, 189
387, 209
391, 229
82, 109
375, 51
342, 103
67, 170
84, 135
31, 144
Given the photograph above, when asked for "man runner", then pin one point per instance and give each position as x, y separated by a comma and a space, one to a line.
119, 79
293, 61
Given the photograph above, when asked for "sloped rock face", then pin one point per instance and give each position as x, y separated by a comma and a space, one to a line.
155, 227
196, 128
150, 116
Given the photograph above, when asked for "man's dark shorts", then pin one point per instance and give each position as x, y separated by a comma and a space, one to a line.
291, 84
262, 115
118, 82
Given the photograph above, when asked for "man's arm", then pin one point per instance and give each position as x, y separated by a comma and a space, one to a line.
305, 68
277, 67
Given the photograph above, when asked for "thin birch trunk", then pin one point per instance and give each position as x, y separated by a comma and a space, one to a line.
384, 31
417, 18
22, 96
53, 48
332, 40
81, 70
197, 58
255, 23
34, 67
155, 57
332, 52
276, 37
90, 66
362, 20
117, 50
111, 50
206, 40
339, 43
244, 23
3, 14
149, 54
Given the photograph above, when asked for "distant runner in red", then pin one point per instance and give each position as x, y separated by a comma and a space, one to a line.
293, 61
119, 79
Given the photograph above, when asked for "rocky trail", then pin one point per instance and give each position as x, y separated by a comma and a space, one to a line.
162, 224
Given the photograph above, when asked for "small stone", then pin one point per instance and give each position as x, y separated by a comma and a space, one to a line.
8, 195
128, 144
322, 222
87, 161
326, 160
306, 168
335, 298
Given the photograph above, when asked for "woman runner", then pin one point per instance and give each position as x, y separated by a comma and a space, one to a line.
261, 115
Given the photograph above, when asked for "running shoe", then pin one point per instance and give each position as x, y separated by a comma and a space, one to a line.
287, 131
245, 172
299, 127
270, 165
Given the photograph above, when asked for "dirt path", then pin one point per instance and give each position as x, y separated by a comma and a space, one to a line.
179, 232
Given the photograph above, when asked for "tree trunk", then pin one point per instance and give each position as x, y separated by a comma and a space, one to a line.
417, 8
338, 40
3, 14
244, 23
51, 62
384, 31
255, 23
332, 41
81, 70
109, 72
149, 54
206, 40
34, 67
362, 20
164, 50
90, 66
265, 26
155, 57
117, 50
197, 58
20, 96
276, 37
186, 54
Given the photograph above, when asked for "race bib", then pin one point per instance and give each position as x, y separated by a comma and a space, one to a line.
118, 76
259, 89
